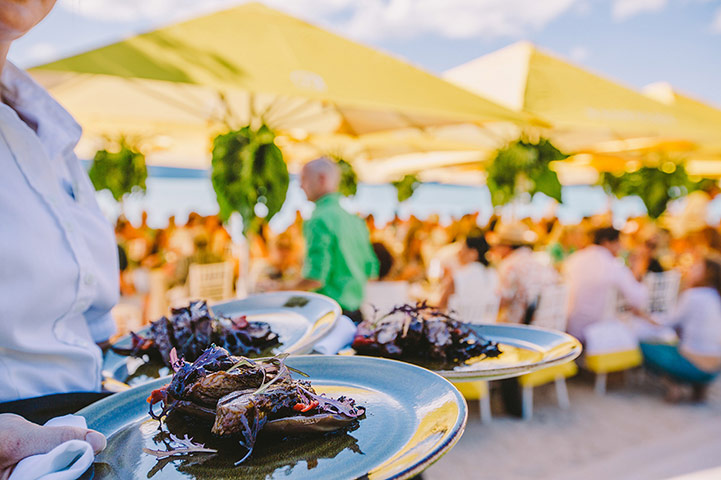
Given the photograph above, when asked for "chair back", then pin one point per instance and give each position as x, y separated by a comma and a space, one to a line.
212, 281
662, 290
478, 310
552, 311
381, 297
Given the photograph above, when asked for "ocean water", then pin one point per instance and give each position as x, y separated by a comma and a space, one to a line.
179, 194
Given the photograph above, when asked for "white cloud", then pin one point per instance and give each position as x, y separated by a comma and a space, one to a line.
578, 53
625, 9
453, 18
716, 25
366, 20
133, 10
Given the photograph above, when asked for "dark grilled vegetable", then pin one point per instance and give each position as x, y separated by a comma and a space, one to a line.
192, 329
241, 397
421, 332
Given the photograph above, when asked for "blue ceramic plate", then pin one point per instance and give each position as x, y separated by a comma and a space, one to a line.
525, 349
300, 319
413, 416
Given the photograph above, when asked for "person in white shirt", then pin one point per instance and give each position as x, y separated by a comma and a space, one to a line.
696, 358
595, 276
521, 276
58, 257
472, 277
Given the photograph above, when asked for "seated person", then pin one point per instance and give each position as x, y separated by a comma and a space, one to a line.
473, 274
595, 275
521, 276
696, 359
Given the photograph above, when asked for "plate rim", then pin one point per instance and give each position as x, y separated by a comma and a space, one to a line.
501, 373
452, 437
304, 347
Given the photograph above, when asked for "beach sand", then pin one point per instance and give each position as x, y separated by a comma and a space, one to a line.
628, 434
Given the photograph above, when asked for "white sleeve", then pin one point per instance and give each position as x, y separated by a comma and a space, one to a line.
684, 309
634, 292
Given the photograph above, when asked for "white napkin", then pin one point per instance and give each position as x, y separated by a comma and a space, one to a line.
67, 461
340, 336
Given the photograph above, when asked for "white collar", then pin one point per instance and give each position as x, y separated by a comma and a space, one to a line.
56, 128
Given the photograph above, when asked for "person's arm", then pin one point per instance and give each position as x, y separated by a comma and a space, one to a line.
372, 266
448, 288
684, 309
317, 259
20, 439
634, 292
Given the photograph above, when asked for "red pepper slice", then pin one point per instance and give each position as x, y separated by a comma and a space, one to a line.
240, 322
158, 395
302, 407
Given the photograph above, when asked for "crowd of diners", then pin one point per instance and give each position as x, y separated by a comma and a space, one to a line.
514, 259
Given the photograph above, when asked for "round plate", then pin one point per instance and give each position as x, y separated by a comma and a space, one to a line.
524, 349
300, 319
413, 416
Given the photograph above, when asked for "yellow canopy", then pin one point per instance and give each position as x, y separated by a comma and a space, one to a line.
174, 123
706, 117
586, 110
257, 49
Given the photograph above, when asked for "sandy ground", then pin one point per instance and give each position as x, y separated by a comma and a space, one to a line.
628, 434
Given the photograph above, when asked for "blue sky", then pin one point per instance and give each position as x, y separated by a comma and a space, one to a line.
635, 42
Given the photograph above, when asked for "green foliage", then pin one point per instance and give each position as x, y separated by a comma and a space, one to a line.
523, 167
248, 169
122, 171
655, 186
406, 186
348, 178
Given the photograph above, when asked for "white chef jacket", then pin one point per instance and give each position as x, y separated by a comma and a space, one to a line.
593, 276
58, 256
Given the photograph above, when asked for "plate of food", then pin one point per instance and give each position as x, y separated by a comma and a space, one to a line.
300, 417
434, 339
259, 325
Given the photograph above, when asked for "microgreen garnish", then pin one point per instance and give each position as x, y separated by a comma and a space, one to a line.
184, 446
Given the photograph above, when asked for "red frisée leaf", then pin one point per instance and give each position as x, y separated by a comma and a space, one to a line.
175, 362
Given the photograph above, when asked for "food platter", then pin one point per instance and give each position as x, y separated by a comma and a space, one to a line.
413, 416
300, 319
524, 349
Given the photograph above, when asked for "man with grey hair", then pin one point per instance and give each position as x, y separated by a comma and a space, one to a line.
339, 258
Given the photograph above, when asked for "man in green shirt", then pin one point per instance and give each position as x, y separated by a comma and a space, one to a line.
339, 257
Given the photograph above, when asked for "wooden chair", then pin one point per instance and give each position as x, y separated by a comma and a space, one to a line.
212, 281
551, 313
479, 310
662, 290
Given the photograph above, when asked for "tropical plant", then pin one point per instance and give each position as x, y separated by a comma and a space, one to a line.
348, 179
406, 186
656, 186
249, 175
521, 167
120, 169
